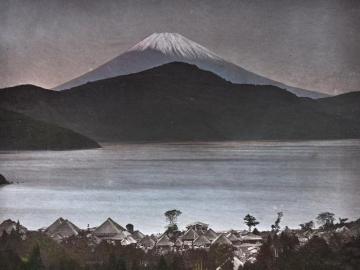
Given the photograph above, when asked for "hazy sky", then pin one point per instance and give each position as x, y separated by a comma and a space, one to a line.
313, 44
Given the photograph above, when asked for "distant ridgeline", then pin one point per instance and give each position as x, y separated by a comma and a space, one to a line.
172, 102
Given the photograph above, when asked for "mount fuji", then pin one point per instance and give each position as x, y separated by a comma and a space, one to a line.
162, 48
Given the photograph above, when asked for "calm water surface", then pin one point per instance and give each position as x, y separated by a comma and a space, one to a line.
217, 183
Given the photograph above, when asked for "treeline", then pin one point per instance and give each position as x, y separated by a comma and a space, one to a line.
38, 252
283, 252
279, 252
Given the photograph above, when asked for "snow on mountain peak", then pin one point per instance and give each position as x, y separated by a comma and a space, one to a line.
174, 44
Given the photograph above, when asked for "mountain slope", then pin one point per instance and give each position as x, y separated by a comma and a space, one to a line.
161, 48
342, 106
19, 132
180, 102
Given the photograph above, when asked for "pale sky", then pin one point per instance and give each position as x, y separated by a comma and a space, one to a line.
311, 44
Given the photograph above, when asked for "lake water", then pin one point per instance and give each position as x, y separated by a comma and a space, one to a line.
217, 183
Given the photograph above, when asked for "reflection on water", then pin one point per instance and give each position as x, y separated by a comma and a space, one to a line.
217, 183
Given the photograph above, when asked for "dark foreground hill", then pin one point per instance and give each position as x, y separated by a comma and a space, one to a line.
180, 102
3, 180
19, 132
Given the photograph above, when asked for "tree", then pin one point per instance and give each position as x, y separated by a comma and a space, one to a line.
250, 221
342, 221
162, 265
135, 264
276, 226
265, 257
171, 216
17, 228
308, 226
220, 257
115, 263
178, 263
130, 228
326, 219
288, 242
34, 262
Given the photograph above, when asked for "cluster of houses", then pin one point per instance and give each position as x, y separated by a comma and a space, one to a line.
197, 235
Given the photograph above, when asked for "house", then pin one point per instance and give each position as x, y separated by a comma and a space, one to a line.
113, 232
202, 242
251, 238
198, 227
62, 229
189, 237
164, 244
147, 243
178, 244
222, 240
233, 238
9, 225
129, 240
211, 235
137, 235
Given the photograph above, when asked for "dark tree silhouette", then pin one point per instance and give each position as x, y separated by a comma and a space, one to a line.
276, 226
342, 221
162, 265
326, 219
130, 227
250, 221
34, 262
172, 215
308, 226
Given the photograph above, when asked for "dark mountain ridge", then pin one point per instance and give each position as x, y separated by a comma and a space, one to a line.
180, 102
20, 132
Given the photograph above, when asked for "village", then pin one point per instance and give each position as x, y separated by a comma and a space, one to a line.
198, 236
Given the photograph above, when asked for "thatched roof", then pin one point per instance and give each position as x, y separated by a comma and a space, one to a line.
197, 224
178, 243
52, 228
201, 241
8, 226
147, 242
222, 240
249, 245
342, 229
211, 235
251, 237
232, 237
67, 229
164, 241
190, 235
137, 235
154, 237
110, 228
128, 241
62, 228
199, 232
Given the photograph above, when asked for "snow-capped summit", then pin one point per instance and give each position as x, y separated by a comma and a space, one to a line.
174, 44
162, 48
